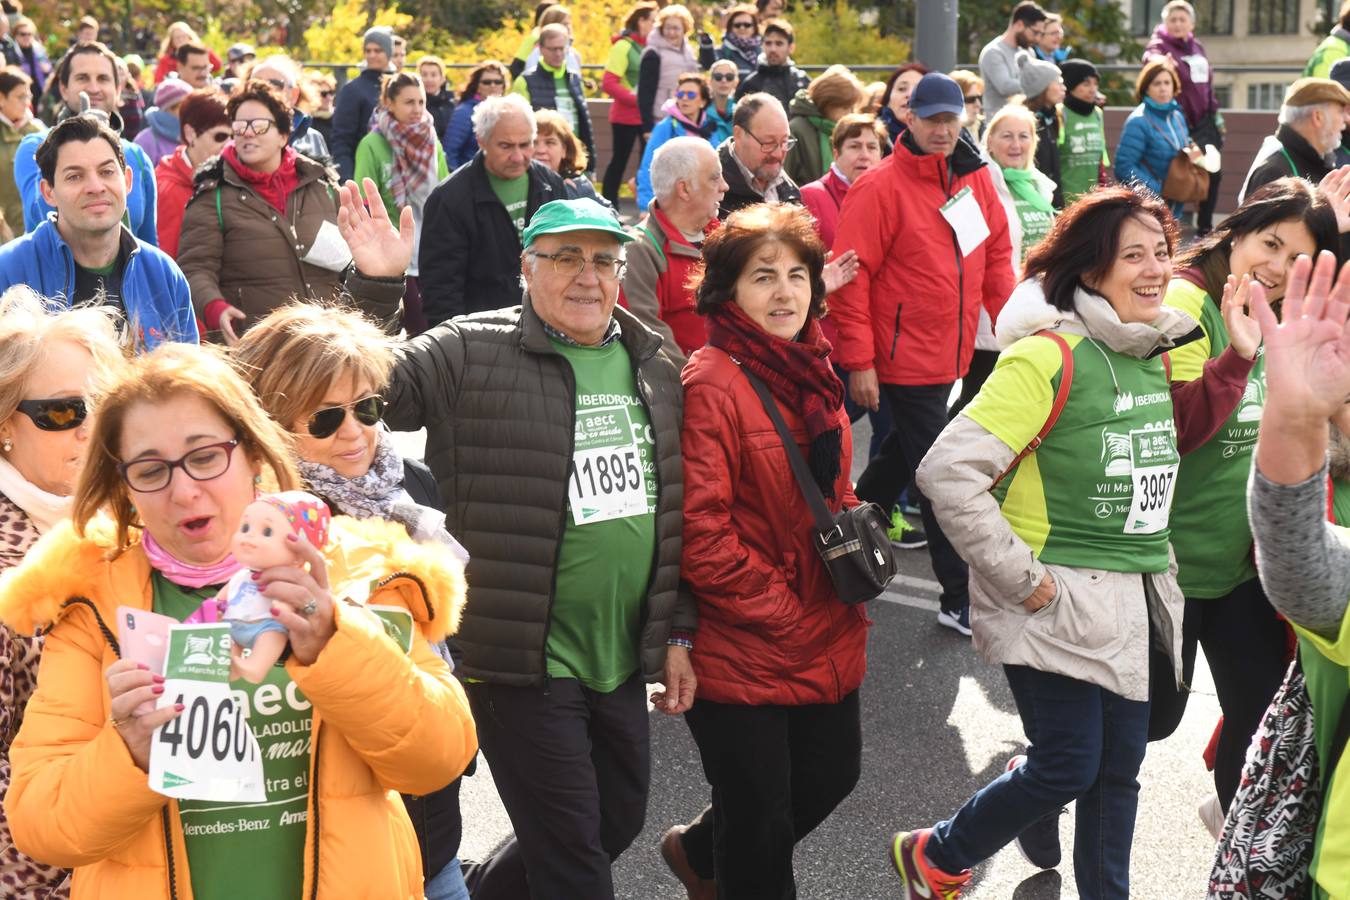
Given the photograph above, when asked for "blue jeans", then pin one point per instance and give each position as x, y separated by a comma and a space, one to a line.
1086, 745
448, 883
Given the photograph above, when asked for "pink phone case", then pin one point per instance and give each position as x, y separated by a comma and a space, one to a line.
144, 637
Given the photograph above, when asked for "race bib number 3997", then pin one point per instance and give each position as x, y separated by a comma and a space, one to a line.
209, 751
607, 480
1154, 462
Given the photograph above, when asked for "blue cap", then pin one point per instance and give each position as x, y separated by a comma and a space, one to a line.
936, 94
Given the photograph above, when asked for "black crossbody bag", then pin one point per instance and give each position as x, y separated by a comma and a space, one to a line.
853, 544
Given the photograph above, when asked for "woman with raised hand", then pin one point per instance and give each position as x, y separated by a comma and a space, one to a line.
1055, 485
780, 658
1227, 613
180, 447
49, 358
1303, 559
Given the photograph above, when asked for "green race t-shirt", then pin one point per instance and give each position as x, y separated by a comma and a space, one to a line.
254, 850
1096, 492
513, 193
609, 543
1210, 533
1082, 151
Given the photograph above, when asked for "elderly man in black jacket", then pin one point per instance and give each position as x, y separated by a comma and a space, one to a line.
553, 430
472, 224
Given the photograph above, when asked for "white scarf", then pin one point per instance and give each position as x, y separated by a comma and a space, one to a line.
43, 509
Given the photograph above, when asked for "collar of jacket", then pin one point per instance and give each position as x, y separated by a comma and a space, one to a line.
300, 122
640, 341
1298, 147
612, 334
127, 244
964, 160
674, 239
306, 170
1027, 312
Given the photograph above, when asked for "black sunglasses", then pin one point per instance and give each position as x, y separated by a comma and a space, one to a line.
368, 411
60, 414
725, 76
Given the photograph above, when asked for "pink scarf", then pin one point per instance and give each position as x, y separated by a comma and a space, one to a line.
183, 574
414, 148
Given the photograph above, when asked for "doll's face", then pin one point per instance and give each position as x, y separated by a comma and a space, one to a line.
260, 541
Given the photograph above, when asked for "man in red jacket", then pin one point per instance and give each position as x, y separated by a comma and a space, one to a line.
688, 183
932, 244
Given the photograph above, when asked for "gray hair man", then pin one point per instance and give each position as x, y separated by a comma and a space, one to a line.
687, 181
553, 429
1311, 121
469, 259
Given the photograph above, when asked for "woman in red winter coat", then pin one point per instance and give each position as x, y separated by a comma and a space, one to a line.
621, 82
205, 128
779, 658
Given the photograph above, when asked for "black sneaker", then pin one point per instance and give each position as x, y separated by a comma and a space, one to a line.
957, 620
903, 535
1039, 842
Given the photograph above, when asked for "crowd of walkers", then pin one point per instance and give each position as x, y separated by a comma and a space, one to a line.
1116, 448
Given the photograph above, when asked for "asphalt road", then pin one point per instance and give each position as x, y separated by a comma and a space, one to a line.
938, 723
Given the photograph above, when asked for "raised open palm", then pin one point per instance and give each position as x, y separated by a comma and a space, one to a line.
1243, 331
1308, 347
379, 250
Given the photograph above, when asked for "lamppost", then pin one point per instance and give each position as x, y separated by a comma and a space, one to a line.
935, 34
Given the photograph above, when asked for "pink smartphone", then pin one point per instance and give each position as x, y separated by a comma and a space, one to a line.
144, 637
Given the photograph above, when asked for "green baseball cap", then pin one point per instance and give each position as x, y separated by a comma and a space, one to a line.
582, 214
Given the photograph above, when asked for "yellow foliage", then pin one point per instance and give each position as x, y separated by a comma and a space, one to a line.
338, 38
834, 32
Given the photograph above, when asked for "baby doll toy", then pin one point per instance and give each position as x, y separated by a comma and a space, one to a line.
260, 543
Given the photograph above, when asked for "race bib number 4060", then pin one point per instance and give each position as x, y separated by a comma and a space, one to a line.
209, 751
607, 473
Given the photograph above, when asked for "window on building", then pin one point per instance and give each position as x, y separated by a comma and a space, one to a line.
1212, 16
1224, 94
1265, 96
1273, 17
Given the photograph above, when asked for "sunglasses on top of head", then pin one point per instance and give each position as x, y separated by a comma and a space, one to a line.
368, 411
59, 414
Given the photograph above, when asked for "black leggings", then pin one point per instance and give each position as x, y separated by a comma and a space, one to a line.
625, 136
1247, 647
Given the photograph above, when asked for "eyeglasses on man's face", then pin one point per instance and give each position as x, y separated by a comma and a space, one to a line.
570, 265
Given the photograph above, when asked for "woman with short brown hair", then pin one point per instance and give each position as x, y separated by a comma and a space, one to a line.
780, 658
812, 115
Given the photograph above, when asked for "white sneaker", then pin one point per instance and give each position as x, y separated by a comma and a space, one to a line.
1211, 813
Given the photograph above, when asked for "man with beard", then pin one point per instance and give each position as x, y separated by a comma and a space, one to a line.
90, 69
998, 59
752, 161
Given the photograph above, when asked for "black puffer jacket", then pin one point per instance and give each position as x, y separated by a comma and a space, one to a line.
469, 260
499, 406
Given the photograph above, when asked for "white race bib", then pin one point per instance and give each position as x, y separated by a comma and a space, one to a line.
209, 751
1199, 68
964, 215
607, 476
1154, 461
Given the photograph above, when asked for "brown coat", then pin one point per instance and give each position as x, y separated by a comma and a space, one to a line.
235, 246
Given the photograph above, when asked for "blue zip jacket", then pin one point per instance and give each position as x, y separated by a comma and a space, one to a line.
141, 209
154, 291
460, 144
1144, 153
668, 128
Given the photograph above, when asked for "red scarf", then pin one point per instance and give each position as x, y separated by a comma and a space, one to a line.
799, 376
273, 187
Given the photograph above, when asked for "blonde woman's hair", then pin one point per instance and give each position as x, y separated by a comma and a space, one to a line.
837, 89
1012, 111
166, 45
556, 13
29, 325
676, 11
172, 370
298, 351
967, 80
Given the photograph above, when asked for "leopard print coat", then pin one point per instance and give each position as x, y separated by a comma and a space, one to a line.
21, 878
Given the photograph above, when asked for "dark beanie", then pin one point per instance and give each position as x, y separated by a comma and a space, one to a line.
1076, 71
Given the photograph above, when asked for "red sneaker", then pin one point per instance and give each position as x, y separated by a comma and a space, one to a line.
922, 879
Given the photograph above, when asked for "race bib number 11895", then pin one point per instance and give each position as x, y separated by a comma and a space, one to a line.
607, 480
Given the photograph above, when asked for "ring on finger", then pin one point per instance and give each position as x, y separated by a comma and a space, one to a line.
118, 723
310, 608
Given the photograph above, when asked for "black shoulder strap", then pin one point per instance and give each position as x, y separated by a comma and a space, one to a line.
810, 490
